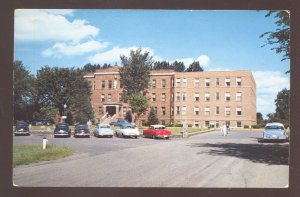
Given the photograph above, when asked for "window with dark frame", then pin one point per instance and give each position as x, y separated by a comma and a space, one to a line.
103, 84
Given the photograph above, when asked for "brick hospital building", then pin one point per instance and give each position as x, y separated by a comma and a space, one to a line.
202, 99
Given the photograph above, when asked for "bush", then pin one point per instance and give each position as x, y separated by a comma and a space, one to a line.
246, 126
169, 125
190, 125
146, 123
178, 125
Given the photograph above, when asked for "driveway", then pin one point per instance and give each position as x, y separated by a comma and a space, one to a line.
238, 160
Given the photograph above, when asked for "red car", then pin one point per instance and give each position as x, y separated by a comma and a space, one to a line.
157, 131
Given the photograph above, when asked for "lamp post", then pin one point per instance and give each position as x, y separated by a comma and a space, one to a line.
64, 117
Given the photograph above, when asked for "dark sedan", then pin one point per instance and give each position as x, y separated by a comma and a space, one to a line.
82, 130
62, 130
21, 128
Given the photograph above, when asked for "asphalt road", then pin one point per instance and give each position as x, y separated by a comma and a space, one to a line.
238, 160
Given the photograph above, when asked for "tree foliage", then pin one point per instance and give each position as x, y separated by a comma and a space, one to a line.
282, 103
93, 67
23, 92
260, 121
282, 112
178, 66
280, 38
194, 67
46, 112
135, 73
128, 116
161, 65
60, 87
152, 117
139, 104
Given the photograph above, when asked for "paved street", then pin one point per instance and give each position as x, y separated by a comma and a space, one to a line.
206, 160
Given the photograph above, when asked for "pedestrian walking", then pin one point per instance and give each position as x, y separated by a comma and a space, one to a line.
224, 130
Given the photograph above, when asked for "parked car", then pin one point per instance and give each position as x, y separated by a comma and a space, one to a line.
157, 131
62, 129
275, 131
43, 122
127, 130
82, 130
103, 130
120, 123
22, 128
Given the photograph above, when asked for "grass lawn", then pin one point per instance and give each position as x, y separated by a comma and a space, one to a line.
33, 153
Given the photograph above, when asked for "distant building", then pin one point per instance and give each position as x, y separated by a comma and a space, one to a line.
202, 99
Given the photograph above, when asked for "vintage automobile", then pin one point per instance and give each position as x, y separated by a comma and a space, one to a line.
274, 131
103, 130
22, 128
62, 130
157, 131
127, 130
120, 123
82, 130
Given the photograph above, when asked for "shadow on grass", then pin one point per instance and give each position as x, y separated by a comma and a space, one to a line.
271, 154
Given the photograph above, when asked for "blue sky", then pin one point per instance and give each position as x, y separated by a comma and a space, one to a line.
220, 40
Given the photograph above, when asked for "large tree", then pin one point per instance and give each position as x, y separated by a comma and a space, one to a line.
194, 67
23, 92
139, 104
135, 73
65, 89
282, 111
259, 119
161, 65
283, 105
280, 38
178, 66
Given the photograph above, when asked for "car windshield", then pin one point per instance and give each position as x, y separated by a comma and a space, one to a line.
274, 127
62, 127
104, 126
21, 125
127, 127
82, 126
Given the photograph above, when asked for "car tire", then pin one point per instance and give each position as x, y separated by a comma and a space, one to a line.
153, 137
167, 138
136, 137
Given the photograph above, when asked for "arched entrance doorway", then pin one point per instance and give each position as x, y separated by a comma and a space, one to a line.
111, 110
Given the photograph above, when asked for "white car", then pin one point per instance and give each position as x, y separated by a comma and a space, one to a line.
103, 130
274, 131
127, 131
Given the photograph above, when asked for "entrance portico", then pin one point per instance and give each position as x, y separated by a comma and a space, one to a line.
113, 109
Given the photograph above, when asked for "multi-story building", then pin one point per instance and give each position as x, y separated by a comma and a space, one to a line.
201, 99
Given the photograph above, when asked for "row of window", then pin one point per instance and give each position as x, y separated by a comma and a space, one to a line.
207, 82
227, 110
108, 84
112, 84
183, 111
179, 96
207, 96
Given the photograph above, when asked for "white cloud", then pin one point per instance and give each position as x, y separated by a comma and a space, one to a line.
204, 60
113, 56
41, 25
62, 49
268, 84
